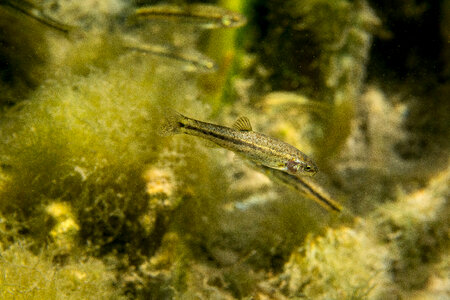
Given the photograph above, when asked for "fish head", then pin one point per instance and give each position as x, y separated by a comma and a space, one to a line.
302, 166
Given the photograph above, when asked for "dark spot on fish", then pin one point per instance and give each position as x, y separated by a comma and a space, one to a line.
291, 166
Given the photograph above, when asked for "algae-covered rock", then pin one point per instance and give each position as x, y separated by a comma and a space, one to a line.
92, 197
25, 275
82, 163
343, 264
374, 259
416, 228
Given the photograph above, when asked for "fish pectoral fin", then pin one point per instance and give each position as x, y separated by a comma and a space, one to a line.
242, 124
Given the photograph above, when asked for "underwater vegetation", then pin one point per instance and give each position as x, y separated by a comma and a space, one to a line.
96, 204
25, 275
112, 30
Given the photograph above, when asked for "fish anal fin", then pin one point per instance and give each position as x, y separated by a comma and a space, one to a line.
242, 124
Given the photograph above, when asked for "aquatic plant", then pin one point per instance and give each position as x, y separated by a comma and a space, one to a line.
225, 47
325, 267
317, 49
24, 275
61, 152
415, 229
93, 198
82, 159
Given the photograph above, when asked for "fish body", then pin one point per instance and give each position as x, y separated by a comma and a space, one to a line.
34, 12
193, 61
202, 15
241, 139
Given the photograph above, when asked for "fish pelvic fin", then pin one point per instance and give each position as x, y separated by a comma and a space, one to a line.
171, 124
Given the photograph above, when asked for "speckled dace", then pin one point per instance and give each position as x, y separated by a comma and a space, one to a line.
241, 139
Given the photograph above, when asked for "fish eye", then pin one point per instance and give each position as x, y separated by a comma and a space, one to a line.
308, 168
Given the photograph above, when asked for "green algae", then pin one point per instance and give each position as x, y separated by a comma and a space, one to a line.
93, 198
325, 268
25, 275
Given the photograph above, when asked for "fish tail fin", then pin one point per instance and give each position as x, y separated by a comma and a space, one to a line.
171, 124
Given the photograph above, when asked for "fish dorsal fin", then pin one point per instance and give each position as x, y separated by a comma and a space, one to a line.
242, 124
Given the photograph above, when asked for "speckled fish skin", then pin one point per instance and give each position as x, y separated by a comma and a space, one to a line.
257, 147
203, 15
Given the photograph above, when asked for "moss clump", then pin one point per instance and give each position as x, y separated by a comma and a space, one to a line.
84, 168
416, 230
343, 264
83, 172
376, 257
87, 141
162, 276
437, 285
55, 146
24, 275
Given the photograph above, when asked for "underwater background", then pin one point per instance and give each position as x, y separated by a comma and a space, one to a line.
95, 204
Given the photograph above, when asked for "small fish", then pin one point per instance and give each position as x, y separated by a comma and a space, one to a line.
304, 186
34, 12
241, 139
193, 61
202, 15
